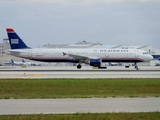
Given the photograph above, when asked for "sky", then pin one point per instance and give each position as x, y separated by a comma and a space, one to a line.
110, 22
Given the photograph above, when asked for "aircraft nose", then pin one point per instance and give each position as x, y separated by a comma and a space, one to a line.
151, 57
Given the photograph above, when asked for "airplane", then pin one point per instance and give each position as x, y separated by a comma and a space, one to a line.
8, 63
30, 63
17, 63
91, 56
12, 63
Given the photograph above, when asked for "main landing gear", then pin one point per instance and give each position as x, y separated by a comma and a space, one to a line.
79, 66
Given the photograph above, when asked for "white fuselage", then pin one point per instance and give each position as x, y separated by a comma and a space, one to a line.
77, 55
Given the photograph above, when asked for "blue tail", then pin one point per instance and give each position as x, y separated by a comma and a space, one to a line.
14, 40
23, 61
12, 62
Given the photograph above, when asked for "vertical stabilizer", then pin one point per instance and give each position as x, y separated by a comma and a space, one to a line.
12, 62
23, 61
15, 41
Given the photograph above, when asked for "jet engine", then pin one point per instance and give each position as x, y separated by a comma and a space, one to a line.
95, 62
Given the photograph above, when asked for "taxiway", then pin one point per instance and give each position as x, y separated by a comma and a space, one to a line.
83, 105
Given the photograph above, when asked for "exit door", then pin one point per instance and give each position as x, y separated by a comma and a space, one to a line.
136, 53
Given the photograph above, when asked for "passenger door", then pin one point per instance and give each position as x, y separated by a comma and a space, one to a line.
136, 53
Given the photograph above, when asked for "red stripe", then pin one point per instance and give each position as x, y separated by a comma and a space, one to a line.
9, 30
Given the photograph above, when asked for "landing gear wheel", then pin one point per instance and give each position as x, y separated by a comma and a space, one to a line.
79, 66
136, 67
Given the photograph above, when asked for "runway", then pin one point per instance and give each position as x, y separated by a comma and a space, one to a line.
73, 72
71, 105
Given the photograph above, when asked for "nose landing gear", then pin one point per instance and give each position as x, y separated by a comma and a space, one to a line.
136, 67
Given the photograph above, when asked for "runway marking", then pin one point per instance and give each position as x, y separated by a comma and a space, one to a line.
21, 76
35, 75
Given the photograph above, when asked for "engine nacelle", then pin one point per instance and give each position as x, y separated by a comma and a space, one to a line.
95, 62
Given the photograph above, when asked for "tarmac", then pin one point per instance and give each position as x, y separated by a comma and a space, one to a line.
83, 105
78, 105
73, 72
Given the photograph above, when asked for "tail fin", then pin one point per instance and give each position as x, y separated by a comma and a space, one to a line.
23, 61
12, 62
14, 40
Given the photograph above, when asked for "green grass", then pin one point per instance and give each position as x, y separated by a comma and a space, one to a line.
78, 88
88, 116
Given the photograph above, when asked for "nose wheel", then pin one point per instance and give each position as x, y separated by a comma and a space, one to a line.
136, 67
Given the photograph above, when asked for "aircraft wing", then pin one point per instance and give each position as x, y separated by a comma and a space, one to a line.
80, 57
